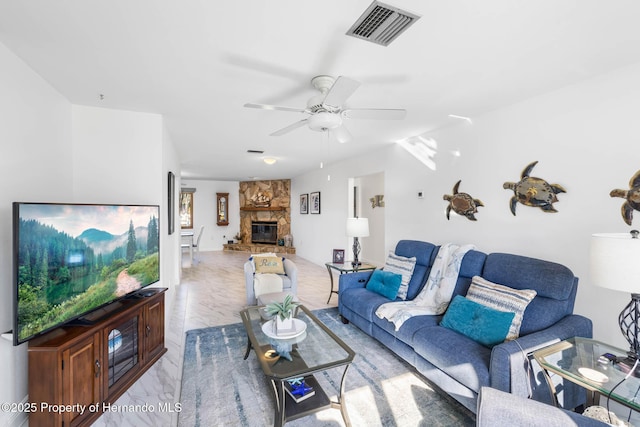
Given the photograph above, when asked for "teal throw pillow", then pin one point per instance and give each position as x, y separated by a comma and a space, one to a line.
384, 283
483, 324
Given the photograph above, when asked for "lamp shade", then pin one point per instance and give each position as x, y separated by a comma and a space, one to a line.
613, 261
357, 227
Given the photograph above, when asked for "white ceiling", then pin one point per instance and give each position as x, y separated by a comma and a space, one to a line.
197, 62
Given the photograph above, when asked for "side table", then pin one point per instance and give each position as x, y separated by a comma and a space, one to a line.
576, 360
345, 268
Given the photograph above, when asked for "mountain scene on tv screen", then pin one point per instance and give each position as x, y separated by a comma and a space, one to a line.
61, 276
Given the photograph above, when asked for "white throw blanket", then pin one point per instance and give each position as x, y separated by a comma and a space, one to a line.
266, 283
437, 292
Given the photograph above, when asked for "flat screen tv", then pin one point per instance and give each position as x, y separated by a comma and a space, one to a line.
72, 259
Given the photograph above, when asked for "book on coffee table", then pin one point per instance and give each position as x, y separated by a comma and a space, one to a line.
298, 389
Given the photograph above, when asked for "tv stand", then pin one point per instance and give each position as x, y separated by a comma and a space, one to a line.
94, 364
81, 321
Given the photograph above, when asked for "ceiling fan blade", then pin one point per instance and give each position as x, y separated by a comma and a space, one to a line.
289, 128
375, 114
341, 90
273, 107
342, 134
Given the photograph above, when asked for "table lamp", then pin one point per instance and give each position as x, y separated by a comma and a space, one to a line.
356, 228
613, 264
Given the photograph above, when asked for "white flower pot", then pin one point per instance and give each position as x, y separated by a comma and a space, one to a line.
286, 325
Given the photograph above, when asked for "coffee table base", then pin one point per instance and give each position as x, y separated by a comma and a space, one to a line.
320, 401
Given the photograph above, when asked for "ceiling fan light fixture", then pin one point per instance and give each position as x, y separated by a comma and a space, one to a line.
324, 121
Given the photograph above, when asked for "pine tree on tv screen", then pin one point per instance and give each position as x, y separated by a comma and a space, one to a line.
75, 258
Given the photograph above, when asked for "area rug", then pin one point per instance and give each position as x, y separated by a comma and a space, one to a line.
219, 388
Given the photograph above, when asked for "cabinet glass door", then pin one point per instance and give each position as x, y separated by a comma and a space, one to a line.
122, 349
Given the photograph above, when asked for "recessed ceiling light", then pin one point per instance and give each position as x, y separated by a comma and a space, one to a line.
269, 160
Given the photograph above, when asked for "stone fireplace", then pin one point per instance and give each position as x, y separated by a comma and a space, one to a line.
264, 202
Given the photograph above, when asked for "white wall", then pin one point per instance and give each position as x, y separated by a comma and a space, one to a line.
56, 152
585, 138
372, 246
35, 136
123, 157
204, 212
117, 156
170, 244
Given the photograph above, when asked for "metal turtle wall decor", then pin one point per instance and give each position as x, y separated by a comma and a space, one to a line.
633, 198
377, 201
532, 191
462, 203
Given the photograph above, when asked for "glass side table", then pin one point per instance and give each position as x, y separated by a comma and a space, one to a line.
345, 268
576, 360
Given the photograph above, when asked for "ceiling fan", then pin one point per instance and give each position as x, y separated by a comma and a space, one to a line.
326, 110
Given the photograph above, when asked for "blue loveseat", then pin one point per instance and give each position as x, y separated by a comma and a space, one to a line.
459, 365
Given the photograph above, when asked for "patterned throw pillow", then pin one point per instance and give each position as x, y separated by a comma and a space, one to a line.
268, 264
403, 266
502, 298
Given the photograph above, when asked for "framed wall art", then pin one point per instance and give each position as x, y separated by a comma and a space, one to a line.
314, 202
186, 209
304, 203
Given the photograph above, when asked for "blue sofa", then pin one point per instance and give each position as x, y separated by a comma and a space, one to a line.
457, 364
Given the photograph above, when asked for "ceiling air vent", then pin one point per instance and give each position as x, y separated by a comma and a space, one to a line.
382, 23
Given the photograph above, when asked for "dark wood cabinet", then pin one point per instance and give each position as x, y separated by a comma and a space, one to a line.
83, 367
80, 376
154, 328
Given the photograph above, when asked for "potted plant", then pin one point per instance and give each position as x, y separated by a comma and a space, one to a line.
283, 312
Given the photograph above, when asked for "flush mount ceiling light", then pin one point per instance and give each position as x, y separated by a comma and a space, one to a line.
269, 160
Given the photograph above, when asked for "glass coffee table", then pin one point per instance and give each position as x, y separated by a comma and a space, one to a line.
314, 350
576, 360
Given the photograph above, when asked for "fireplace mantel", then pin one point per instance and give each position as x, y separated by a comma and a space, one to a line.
255, 209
